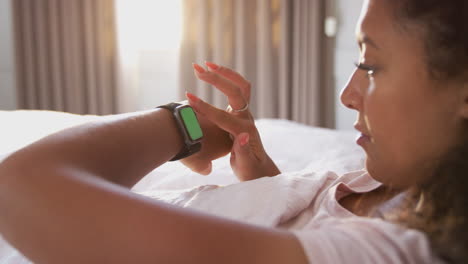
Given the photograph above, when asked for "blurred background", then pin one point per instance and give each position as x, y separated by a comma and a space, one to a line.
113, 56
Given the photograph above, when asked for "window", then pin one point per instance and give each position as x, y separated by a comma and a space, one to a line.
149, 36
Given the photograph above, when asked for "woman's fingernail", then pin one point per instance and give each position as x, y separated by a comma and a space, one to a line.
198, 68
244, 139
212, 65
193, 100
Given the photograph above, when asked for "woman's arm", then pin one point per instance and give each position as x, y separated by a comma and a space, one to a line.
120, 148
58, 203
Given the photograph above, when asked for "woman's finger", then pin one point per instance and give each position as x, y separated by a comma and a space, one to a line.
241, 151
226, 86
233, 76
207, 170
221, 118
240, 144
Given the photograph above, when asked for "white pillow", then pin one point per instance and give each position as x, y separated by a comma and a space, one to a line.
291, 145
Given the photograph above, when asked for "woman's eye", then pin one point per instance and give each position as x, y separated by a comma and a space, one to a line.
369, 69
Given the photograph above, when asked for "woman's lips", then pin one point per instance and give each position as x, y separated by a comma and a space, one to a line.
363, 139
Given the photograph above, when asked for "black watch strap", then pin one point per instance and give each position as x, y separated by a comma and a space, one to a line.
186, 150
171, 106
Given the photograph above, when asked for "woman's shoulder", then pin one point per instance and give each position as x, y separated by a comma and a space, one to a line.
359, 178
364, 240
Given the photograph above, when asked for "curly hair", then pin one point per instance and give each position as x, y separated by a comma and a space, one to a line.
439, 207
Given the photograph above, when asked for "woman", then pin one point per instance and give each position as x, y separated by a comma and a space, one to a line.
410, 90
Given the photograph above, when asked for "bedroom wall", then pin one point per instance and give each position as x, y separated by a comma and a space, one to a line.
7, 91
346, 54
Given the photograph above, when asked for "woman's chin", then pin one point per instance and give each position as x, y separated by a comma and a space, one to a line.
388, 175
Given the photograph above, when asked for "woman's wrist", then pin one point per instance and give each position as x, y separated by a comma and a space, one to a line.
274, 169
270, 168
265, 168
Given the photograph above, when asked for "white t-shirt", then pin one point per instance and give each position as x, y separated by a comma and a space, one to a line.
330, 233
307, 204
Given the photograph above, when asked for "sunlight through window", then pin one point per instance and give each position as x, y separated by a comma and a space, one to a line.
149, 39
149, 24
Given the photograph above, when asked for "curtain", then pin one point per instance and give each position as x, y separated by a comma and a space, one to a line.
276, 44
65, 55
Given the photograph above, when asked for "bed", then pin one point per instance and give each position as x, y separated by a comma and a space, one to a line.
291, 145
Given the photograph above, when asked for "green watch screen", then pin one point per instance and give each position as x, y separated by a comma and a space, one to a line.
191, 123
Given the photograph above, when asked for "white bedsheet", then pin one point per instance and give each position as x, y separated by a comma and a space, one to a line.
291, 145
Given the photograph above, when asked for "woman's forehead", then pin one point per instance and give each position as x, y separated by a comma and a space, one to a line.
376, 24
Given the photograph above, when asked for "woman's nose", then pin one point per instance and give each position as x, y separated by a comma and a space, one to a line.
350, 95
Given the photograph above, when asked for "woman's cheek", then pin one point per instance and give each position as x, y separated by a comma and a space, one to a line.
372, 85
370, 106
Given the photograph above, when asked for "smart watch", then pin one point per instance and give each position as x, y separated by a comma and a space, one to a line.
188, 126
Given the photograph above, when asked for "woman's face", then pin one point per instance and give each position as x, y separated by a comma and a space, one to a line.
409, 118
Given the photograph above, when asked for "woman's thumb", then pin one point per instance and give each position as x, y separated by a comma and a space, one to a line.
241, 144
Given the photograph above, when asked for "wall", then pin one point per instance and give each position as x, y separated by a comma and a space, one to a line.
346, 54
7, 80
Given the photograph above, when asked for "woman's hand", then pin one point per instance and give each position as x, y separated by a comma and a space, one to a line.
216, 144
248, 157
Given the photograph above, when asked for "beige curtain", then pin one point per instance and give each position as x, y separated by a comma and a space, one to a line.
65, 55
276, 44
